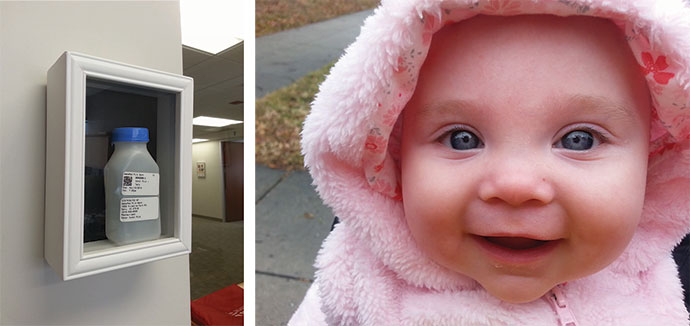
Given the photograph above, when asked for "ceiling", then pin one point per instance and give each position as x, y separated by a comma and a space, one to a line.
218, 89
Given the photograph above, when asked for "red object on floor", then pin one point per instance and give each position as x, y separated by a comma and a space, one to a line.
223, 307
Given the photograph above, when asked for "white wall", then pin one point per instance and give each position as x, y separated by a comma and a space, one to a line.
207, 193
33, 35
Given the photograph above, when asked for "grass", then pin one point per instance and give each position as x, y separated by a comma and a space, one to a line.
280, 114
279, 118
276, 15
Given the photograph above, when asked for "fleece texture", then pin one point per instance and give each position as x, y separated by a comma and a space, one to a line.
370, 271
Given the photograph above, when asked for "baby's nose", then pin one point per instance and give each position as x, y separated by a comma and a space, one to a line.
517, 182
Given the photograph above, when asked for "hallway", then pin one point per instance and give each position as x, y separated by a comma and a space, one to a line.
216, 260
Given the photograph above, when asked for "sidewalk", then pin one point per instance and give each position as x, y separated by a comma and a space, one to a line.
284, 57
291, 221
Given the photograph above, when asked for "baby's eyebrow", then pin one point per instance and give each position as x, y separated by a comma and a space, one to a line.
598, 104
585, 104
446, 107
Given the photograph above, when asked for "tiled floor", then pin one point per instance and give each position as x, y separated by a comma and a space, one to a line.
216, 260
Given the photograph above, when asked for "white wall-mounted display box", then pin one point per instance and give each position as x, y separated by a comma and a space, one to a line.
87, 98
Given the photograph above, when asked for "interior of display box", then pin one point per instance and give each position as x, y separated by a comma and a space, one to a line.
111, 105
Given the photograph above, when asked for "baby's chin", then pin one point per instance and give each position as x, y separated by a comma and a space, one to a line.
519, 290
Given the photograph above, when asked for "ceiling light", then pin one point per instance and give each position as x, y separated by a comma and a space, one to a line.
213, 122
198, 140
211, 26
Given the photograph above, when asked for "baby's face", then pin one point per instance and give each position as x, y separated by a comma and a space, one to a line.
524, 151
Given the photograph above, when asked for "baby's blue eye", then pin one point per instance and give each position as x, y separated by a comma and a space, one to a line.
464, 140
577, 140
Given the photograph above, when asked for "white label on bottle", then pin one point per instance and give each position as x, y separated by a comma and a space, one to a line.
140, 183
134, 209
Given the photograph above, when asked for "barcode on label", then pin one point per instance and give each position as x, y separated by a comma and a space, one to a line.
140, 183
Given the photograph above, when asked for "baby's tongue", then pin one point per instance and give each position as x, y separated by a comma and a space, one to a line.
515, 242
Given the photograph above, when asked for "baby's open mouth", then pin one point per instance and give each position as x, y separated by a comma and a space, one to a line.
516, 250
516, 243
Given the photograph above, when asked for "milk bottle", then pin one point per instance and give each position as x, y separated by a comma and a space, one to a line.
131, 189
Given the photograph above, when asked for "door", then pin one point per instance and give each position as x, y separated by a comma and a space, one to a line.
233, 171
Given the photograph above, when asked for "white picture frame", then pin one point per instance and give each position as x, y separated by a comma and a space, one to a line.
65, 249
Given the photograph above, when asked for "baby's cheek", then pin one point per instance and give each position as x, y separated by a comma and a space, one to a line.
609, 207
602, 236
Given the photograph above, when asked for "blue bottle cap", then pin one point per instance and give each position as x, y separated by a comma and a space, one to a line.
130, 134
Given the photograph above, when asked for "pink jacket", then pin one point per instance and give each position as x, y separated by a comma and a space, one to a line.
370, 272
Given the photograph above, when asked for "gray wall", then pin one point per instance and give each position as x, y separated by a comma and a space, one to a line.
208, 193
32, 36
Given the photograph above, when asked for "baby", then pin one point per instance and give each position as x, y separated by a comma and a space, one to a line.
504, 163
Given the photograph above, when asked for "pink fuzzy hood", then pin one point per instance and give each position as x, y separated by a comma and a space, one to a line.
370, 271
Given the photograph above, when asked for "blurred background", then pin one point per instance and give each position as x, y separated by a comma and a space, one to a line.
297, 43
213, 54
